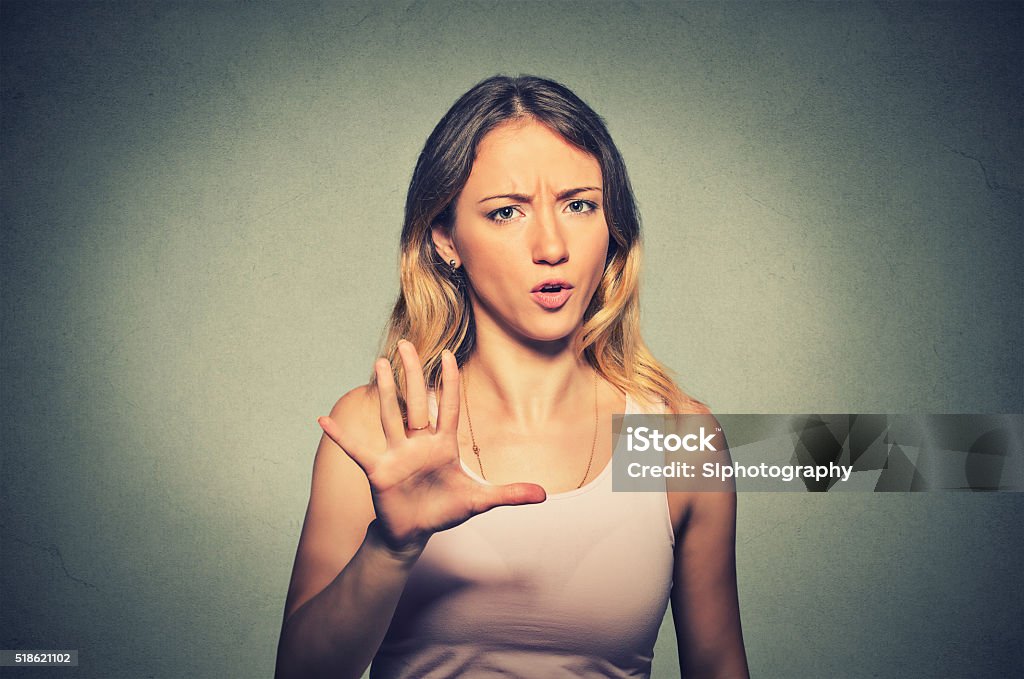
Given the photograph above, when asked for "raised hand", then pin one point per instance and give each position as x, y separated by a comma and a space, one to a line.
417, 483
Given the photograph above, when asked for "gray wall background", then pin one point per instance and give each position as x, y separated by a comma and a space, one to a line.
201, 206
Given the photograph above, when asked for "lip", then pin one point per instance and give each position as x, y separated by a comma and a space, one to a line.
552, 300
564, 284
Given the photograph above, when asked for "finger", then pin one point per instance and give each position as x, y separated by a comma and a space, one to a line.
390, 413
507, 495
448, 404
334, 433
415, 388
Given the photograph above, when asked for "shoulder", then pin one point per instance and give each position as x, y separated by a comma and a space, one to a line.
694, 407
683, 504
355, 401
357, 414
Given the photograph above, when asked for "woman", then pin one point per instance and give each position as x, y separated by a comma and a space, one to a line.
438, 545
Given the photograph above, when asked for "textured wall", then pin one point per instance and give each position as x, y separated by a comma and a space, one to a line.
200, 210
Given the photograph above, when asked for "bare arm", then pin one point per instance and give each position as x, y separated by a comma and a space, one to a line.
337, 632
345, 583
705, 601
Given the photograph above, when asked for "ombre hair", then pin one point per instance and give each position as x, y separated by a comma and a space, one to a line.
433, 310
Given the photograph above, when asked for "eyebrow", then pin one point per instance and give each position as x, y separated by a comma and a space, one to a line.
523, 198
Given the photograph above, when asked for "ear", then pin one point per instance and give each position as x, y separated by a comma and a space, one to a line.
443, 243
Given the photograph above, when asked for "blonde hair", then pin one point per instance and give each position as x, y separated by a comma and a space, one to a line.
433, 310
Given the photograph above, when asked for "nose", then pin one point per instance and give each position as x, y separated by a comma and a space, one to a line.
549, 245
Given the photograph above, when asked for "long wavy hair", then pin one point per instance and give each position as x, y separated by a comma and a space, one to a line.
433, 310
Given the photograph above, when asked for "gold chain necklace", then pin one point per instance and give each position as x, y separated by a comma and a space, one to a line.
476, 448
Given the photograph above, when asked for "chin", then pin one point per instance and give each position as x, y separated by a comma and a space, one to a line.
555, 331
537, 325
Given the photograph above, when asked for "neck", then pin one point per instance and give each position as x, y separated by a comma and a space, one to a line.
527, 385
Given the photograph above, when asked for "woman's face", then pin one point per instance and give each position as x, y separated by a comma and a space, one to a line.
530, 212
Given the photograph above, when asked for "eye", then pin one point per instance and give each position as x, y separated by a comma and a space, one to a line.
503, 214
582, 206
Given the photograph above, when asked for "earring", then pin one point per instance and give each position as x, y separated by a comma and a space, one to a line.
456, 275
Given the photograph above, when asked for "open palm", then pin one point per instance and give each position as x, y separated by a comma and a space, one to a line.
417, 483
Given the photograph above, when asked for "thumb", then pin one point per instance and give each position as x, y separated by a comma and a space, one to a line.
510, 494
335, 433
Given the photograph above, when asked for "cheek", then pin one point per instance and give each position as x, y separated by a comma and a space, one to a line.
598, 253
492, 271
488, 264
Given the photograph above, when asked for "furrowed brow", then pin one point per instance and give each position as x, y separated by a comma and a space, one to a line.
523, 198
518, 197
569, 193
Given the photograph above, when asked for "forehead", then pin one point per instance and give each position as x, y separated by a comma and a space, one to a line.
519, 155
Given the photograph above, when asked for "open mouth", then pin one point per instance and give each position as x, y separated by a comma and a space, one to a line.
552, 285
552, 294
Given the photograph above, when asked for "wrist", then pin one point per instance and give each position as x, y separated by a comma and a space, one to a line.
405, 553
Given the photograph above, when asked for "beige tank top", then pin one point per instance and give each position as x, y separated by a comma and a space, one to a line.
576, 586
